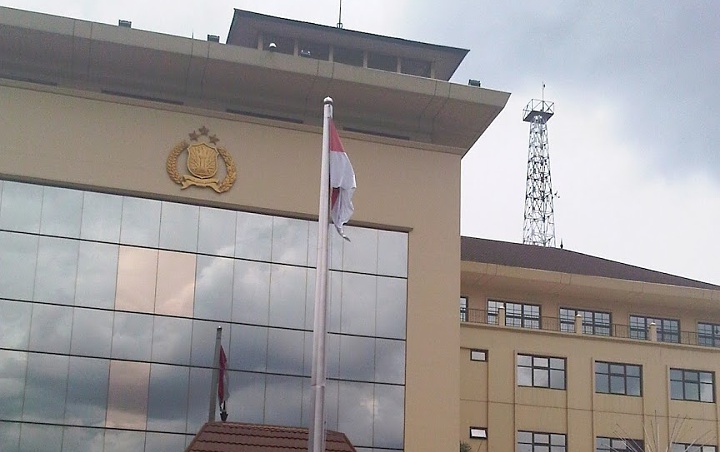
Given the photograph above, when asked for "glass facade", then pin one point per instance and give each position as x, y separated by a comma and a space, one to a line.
109, 306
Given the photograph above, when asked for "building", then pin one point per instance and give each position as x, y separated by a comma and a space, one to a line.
154, 186
564, 350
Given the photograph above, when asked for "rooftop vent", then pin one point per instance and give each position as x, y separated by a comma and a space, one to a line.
213, 38
125, 23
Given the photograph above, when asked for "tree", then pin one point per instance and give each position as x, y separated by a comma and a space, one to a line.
654, 443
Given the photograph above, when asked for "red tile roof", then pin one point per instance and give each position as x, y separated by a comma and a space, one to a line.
237, 437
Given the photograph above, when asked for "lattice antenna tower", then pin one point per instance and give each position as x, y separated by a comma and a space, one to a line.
539, 224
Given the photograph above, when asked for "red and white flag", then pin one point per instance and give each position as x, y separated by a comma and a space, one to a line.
223, 380
342, 182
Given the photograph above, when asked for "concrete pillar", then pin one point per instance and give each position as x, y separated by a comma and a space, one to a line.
501, 316
578, 324
653, 332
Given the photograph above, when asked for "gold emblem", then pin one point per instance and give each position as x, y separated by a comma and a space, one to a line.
202, 162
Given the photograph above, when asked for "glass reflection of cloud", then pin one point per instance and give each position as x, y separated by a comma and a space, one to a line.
289, 241
213, 288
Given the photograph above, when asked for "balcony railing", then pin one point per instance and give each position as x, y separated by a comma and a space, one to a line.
569, 326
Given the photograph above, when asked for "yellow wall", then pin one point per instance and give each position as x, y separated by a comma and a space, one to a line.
95, 142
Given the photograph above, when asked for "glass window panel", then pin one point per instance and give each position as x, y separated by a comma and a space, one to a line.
46, 383
179, 226
175, 283
359, 293
13, 366
602, 383
285, 351
676, 390
290, 241
213, 289
336, 244
557, 379
128, 395
253, 236
617, 384
287, 296
247, 397
216, 234
168, 398
87, 391
334, 302
164, 442
198, 399
633, 386
132, 336
9, 436
47, 438
524, 360
15, 324
540, 361
78, 439
357, 358
312, 245
392, 253
137, 274
283, 400
50, 328
557, 363
356, 409
56, 270
692, 391
171, 340
203, 342
251, 292
524, 376
676, 374
390, 361
140, 222
124, 441
706, 377
91, 332
361, 254
310, 300
96, 275
390, 315
61, 212
101, 217
633, 370
540, 378
21, 206
706, 393
18, 260
248, 348
389, 415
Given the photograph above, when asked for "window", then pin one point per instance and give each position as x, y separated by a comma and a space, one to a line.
680, 447
478, 432
618, 445
516, 314
594, 322
692, 385
540, 442
478, 355
668, 330
708, 334
463, 309
617, 378
541, 371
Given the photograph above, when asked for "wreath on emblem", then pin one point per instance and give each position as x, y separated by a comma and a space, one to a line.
205, 159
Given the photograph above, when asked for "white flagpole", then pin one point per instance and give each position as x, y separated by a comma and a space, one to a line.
316, 441
215, 373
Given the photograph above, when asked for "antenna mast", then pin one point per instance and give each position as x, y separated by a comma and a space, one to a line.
539, 223
339, 24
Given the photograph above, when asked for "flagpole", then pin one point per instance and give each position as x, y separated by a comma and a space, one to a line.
215, 373
317, 429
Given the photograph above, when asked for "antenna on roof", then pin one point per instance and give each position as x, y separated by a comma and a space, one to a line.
339, 24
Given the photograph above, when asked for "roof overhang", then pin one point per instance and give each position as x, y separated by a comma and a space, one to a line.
121, 61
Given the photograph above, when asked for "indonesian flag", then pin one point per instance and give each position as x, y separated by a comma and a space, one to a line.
223, 380
342, 183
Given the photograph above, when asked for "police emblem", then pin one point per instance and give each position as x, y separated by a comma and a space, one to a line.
202, 162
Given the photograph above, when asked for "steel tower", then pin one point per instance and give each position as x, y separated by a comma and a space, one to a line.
539, 224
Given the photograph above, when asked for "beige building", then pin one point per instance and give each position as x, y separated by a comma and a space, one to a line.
564, 351
154, 187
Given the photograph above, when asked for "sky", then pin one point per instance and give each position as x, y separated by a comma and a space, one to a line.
636, 88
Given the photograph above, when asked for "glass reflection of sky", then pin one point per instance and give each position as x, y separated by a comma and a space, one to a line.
109, 317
